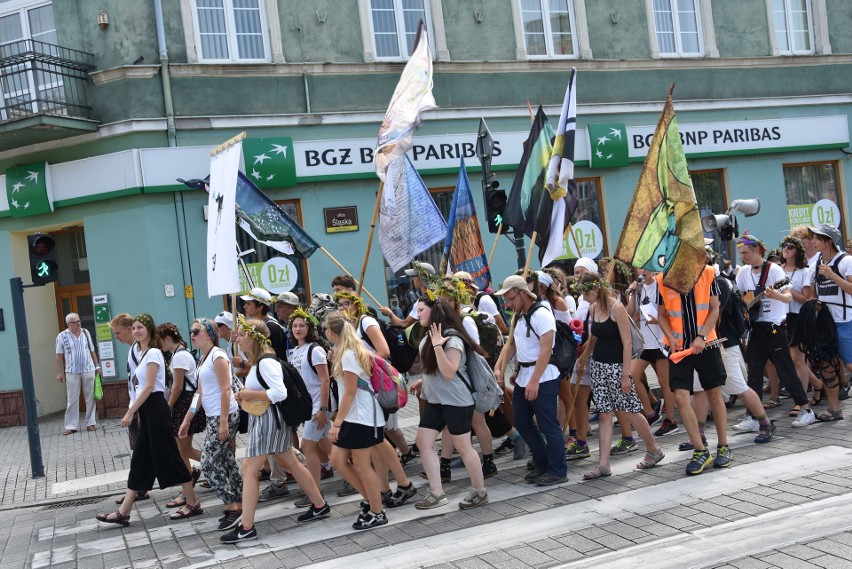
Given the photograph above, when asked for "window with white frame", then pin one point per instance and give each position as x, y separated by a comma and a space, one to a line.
793, 28
677, 27
394, 26
231, 30
548, 27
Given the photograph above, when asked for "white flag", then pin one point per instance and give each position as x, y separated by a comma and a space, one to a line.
222, 267
410, 221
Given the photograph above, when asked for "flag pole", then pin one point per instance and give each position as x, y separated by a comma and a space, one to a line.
358, 283
370, 239
494, 246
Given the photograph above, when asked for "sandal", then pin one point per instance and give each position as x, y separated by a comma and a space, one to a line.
91, 428
139, 496
830, 416
189, 512
816, 399
178, 502
67, 432
772, 403
732, 400
408, 457
651, 460
117, 518
204, 484
598, 472
794, 412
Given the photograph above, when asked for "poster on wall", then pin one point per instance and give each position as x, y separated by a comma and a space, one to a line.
277, 275
824, 212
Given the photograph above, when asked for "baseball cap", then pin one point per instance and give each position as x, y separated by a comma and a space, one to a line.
425, 266
828, 231
225, 318
259, 295
288, 298
514, 281
466, 278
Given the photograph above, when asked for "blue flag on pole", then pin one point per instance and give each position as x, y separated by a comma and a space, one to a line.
463, 246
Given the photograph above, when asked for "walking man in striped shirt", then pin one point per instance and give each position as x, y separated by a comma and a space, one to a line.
76, 364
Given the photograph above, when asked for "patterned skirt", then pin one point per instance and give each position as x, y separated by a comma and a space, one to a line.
266, 437
179, 411
218, 463
606, 389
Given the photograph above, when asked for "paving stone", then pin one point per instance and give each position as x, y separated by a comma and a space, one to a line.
831, 562
530, 556
832, 548
786, 561
750, 563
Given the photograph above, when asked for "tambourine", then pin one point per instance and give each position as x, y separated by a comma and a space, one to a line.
256, 407
414, 334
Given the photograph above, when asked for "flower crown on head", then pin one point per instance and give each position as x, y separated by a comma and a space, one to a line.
354, 299
250, 331
300, 313
455, 289
429, 279
620, 266
583, 288
433, 296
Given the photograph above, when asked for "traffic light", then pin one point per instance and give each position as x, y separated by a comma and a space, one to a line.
43, 267
495, 203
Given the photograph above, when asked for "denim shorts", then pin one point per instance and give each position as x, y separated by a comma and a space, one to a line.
312, 432
844, 341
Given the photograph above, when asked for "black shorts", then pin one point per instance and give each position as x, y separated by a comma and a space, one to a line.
793, 329
457, 419
355, 435
708, 364
652, 355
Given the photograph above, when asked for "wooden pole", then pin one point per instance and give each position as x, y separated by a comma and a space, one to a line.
228, 143
364, 290
494, 246
370, 239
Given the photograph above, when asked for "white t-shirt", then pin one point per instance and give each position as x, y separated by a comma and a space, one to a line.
153, 355
813, 262
652, 336
365, 409
211, 393
470, 327
489, 307
831, 294
527, 348
365, 324
773, 311
299, 359
184, 360
272, 374
799, 279
572, 304
582, 311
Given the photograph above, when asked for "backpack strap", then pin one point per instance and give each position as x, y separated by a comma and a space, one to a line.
364, 335
764, 274
528, 316
265, 385
186, 376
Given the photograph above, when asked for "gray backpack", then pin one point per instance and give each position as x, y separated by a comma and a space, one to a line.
479, 379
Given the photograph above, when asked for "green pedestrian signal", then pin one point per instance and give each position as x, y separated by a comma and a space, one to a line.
43, 266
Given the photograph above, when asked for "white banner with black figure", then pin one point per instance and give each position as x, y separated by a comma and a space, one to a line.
222, 267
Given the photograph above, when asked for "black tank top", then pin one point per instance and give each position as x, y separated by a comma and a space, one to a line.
608, 347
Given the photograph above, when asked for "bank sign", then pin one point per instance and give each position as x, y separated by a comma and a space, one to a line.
598, 146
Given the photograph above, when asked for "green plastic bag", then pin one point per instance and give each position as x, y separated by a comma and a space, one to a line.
99, 388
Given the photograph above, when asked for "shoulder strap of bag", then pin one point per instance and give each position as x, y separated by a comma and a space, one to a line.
364, 335
186, 376
528, 317
764, 274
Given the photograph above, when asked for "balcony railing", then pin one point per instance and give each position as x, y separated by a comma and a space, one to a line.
42, 78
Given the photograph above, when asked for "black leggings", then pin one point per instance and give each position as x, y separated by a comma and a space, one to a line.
769, 342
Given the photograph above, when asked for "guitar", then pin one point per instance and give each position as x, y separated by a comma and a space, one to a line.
752, 300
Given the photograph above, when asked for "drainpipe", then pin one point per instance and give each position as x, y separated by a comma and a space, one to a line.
171, 132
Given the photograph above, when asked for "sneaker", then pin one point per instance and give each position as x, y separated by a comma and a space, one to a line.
534, 475
315, 513
326, 472
668, 427
687, 445
748, 425
724, 457
765, 434
700, 461
473, 500
843, 394
489, 469
273, 491
232, 518
623, 446
239, 534
806, 417
431, 501
302, 501
520, 448
347, 490
401, 496
576, 452
370, 520
505, 447
547, 479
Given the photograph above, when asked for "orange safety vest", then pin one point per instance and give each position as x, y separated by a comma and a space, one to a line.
674, 307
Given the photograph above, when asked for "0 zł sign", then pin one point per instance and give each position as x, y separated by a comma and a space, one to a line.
276, 275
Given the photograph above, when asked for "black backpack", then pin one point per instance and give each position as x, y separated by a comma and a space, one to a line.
489, 336
564, 349
402, 355
298, 406
734, 311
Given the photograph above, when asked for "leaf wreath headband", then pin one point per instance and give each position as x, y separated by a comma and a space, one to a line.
300, 313
353, 298
588, 286
455, 289
620, 266
250, 331
429, 279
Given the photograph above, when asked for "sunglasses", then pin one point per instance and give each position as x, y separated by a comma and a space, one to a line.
195, 332
789, 246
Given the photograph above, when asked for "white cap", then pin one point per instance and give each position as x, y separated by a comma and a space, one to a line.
225, 318
258, 295
425, 266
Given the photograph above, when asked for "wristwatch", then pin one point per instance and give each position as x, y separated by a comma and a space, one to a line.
702, 336
323, 409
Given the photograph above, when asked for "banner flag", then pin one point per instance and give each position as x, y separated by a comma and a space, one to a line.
222, 266
528, 185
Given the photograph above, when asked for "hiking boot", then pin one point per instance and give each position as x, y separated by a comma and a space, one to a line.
548, 479
489, 469
239, 534
534, 475
806, 417
700, 461
314, 513
473, 500
668, 427
748, 425
688, 445
346, 490
370, 521
765, 434
724, 457
505, 447
273, 491
520, 448
432, 501
401, 496
576, 452
623, 446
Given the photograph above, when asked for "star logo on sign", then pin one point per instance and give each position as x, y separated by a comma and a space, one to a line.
26, 205
261, 158
602, 140
598, 153
33, 176
615, 133
278, 149
255, 174
17, 187
15, 204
